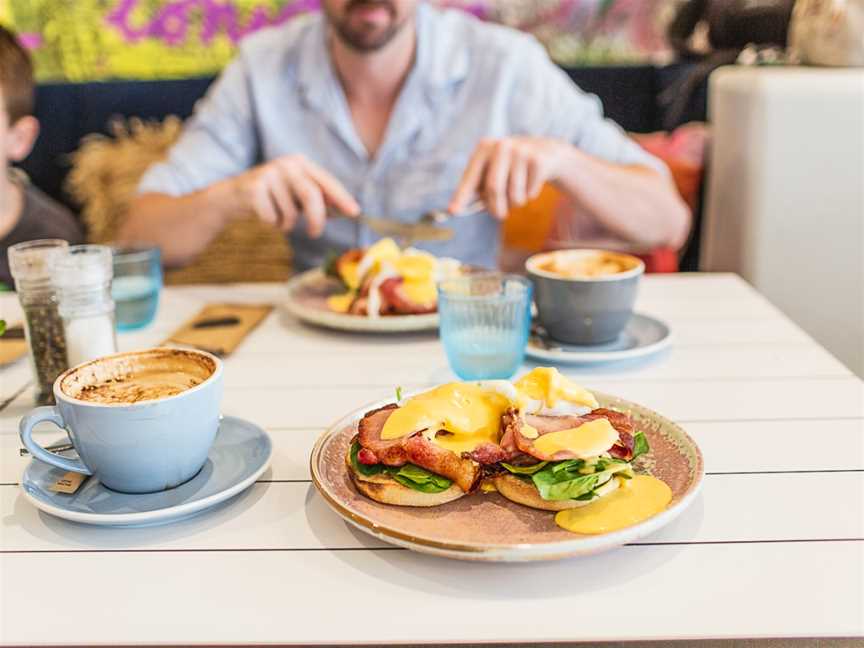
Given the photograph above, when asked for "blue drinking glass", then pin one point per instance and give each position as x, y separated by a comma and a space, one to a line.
136, 286
485, 321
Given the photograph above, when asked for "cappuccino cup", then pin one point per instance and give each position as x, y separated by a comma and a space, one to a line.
141, 422
585, 297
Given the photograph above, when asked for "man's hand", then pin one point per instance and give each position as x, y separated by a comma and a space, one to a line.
280, 190
507, 173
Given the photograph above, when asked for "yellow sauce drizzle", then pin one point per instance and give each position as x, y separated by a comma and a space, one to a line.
340, 303
421, 291
545, 384
487, 486
469, 413
637, 500
348, 273
529, 431
588, 440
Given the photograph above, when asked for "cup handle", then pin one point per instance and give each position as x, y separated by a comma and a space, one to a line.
25, 429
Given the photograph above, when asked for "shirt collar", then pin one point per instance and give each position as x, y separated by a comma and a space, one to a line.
315, 73
442, 55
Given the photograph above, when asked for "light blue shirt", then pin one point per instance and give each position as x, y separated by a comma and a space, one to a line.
470, 80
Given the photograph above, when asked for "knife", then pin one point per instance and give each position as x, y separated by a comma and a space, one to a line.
408, 232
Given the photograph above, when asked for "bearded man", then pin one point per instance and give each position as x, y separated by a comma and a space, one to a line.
393, 108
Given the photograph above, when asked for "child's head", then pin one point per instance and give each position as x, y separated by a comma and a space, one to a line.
18, 126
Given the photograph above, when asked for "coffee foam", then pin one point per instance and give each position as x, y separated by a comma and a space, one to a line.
136, 377
583, 264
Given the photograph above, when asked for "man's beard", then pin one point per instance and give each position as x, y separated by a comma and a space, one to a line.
366, 37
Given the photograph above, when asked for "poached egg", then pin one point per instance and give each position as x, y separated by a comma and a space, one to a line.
461, 416
419, 270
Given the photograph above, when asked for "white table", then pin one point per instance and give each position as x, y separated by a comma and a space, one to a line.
774, 546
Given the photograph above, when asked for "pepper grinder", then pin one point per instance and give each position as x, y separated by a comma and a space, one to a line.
43, 327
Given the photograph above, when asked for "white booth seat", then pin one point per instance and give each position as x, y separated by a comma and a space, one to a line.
785, 201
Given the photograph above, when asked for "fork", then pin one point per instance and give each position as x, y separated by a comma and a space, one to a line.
440, 216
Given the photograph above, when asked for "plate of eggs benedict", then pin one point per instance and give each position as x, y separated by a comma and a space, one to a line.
535, 469
377, 289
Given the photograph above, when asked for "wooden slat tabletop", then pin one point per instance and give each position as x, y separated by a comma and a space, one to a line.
774, 546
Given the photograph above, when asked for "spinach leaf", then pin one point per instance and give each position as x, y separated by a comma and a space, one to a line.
525, 470
563, 485
421, 479
363, 469
640, 445
571, 466
409, 475
331, 261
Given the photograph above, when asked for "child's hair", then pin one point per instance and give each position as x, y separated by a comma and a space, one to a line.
16, 76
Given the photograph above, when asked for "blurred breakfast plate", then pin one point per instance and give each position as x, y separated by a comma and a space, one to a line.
643, 336
488, 527
307, 301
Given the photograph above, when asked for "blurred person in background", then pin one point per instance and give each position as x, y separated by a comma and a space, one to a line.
392, 108
26, 213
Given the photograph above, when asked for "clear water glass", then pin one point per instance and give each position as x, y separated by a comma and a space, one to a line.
136, 287
485, 321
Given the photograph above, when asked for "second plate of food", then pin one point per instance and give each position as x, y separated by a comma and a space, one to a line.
379, 289
308, 295
652, 461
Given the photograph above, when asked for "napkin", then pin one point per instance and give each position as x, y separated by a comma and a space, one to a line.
220, 328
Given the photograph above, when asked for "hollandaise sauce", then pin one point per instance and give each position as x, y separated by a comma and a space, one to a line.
341, 303
418, 271
548, 386
588, 440
637, 500
457, 416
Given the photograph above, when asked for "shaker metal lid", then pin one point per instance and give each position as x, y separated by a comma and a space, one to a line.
82, 265
30, 261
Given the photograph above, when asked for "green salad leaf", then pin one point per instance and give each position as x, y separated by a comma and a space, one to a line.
421, 479
524, 470
362, 468
409, 475
566, 479
330, 264
570, 466
563, 485
398, 394
640, 445
2, 326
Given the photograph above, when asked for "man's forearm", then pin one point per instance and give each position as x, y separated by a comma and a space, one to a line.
633, 202
181, 226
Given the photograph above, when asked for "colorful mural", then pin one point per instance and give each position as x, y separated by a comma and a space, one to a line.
85, 40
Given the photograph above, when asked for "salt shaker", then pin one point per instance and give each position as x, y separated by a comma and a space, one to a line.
82, 278
30, 264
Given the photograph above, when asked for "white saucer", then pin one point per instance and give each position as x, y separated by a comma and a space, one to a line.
240, 453
643, 336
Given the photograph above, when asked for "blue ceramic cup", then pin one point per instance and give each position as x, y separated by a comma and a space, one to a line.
139, 436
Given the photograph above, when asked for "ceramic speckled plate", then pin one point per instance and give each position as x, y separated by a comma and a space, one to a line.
491, 528
307, 301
